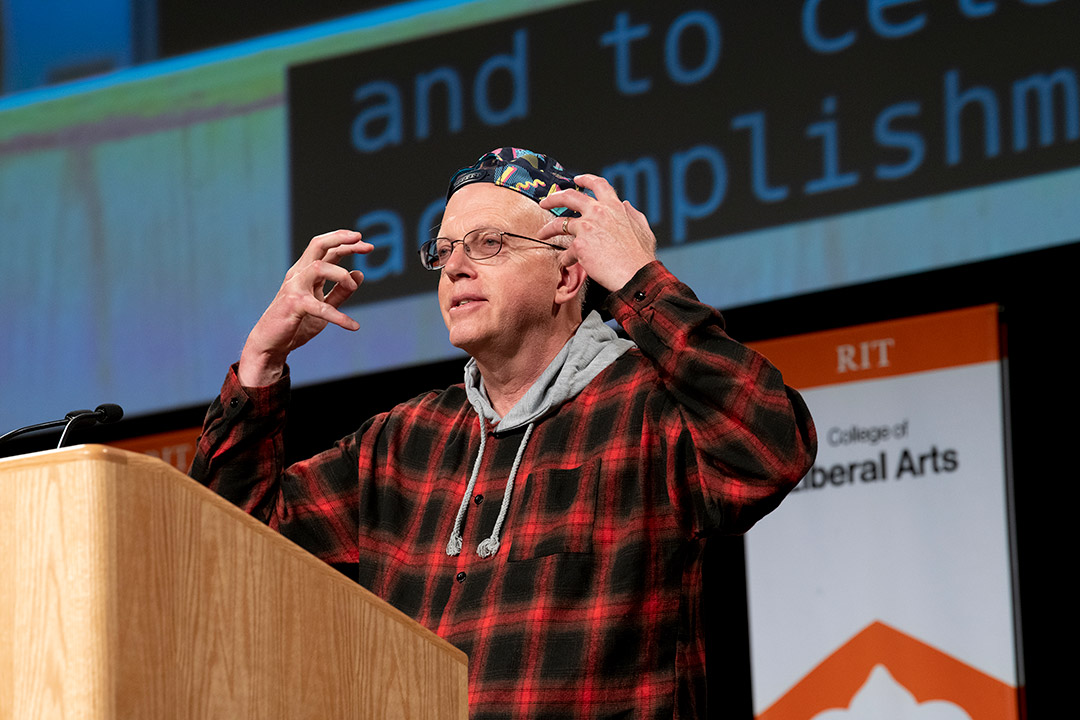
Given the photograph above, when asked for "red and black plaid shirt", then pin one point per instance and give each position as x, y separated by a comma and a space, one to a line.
591, 607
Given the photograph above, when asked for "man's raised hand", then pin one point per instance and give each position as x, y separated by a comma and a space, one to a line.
302, 307
612, 238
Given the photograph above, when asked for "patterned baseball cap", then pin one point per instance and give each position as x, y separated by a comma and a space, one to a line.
533, 175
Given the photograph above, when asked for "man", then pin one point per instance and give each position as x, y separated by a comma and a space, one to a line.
548, 515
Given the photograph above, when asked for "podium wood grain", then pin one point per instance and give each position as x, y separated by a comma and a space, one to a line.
127, 590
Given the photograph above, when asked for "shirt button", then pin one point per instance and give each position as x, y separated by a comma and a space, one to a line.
461, 577
234, 402
639, 295
478, 499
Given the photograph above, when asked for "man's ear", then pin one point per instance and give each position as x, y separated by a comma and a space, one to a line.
571, 284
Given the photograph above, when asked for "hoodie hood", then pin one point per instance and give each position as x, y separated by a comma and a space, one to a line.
584, 356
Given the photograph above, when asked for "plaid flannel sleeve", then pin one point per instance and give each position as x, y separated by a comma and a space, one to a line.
747, 438
240, 455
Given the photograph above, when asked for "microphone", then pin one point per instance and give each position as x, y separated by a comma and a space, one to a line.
104, 414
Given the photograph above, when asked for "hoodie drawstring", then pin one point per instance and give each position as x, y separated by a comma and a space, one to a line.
454, 546
490, 546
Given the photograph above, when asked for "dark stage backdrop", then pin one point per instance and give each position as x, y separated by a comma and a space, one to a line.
806, 165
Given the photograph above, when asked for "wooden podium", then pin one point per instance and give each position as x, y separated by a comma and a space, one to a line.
127, 590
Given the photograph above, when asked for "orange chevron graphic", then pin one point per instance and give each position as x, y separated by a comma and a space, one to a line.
926, 672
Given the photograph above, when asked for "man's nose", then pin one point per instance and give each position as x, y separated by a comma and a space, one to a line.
459, 263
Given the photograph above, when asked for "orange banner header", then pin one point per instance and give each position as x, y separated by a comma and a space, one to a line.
176, 448
895, 347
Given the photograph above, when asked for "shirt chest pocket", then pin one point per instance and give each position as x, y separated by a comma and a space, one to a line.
556, 513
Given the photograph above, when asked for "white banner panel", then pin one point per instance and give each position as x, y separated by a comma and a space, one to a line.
883, 587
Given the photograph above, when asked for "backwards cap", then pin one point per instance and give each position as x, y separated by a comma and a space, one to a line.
533, 175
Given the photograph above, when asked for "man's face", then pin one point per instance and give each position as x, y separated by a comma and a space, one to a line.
499, 306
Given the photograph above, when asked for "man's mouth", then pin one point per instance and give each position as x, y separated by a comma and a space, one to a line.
462, 302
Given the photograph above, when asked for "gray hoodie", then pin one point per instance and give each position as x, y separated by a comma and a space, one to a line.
593, 347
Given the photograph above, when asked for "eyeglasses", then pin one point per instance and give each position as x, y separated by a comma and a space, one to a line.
479, 244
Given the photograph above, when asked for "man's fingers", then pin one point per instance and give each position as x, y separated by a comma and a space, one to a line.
553, 228
340, 293
568, 256
600, 187
635, 214
358, 247
330, 314
321, 245
578, 201
319, 272
640, 225
573, 199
